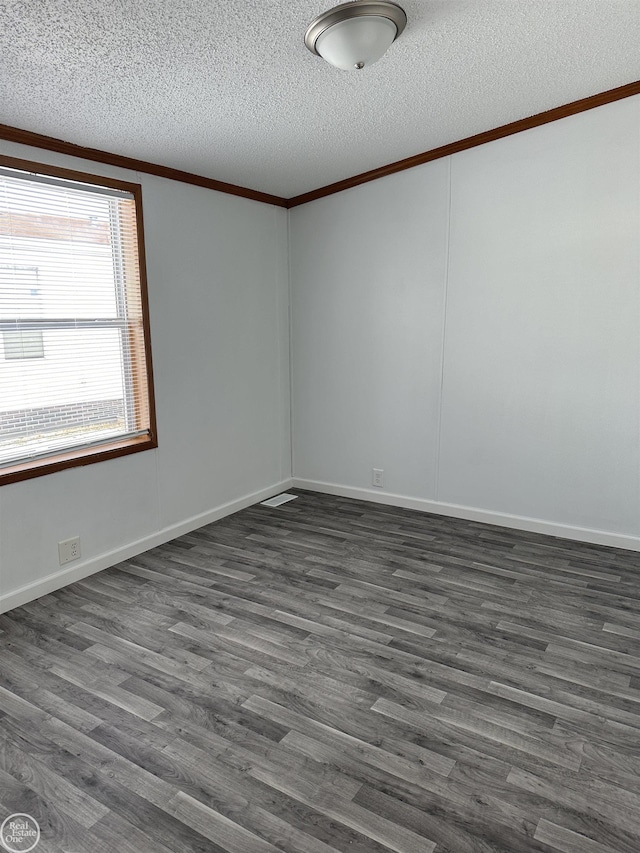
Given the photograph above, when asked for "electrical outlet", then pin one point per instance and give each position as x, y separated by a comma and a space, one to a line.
69, 550
378, 477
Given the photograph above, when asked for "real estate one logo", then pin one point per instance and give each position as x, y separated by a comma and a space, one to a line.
19, 833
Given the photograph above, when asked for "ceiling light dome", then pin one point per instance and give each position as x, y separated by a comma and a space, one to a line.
355, 35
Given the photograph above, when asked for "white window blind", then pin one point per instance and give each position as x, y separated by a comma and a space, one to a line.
73, 365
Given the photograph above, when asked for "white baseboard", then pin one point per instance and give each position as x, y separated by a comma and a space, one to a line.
84, 569
81, 570
517, 522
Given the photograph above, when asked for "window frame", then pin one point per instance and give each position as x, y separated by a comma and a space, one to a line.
139, 345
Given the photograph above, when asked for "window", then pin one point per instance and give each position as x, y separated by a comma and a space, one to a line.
75, 361
25, 343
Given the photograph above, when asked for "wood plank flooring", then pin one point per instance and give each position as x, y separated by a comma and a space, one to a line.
331, 676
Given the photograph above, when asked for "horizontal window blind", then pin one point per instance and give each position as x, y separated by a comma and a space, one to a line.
73, 365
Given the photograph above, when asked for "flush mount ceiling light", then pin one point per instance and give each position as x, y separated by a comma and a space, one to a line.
354, 35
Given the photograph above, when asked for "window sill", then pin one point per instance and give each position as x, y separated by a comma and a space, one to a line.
76, 458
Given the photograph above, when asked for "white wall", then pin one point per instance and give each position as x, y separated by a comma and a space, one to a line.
471, 326
368, 270
218, 292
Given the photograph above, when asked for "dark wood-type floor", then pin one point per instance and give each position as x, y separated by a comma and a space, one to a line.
331, 676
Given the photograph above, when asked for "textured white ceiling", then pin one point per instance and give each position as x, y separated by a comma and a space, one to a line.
228, 89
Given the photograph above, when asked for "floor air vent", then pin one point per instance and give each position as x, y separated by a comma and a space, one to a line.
284, 498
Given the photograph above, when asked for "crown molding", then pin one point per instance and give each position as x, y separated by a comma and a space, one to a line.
546, 117
50, 143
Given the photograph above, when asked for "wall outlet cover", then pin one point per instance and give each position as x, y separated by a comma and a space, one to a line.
69, 550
